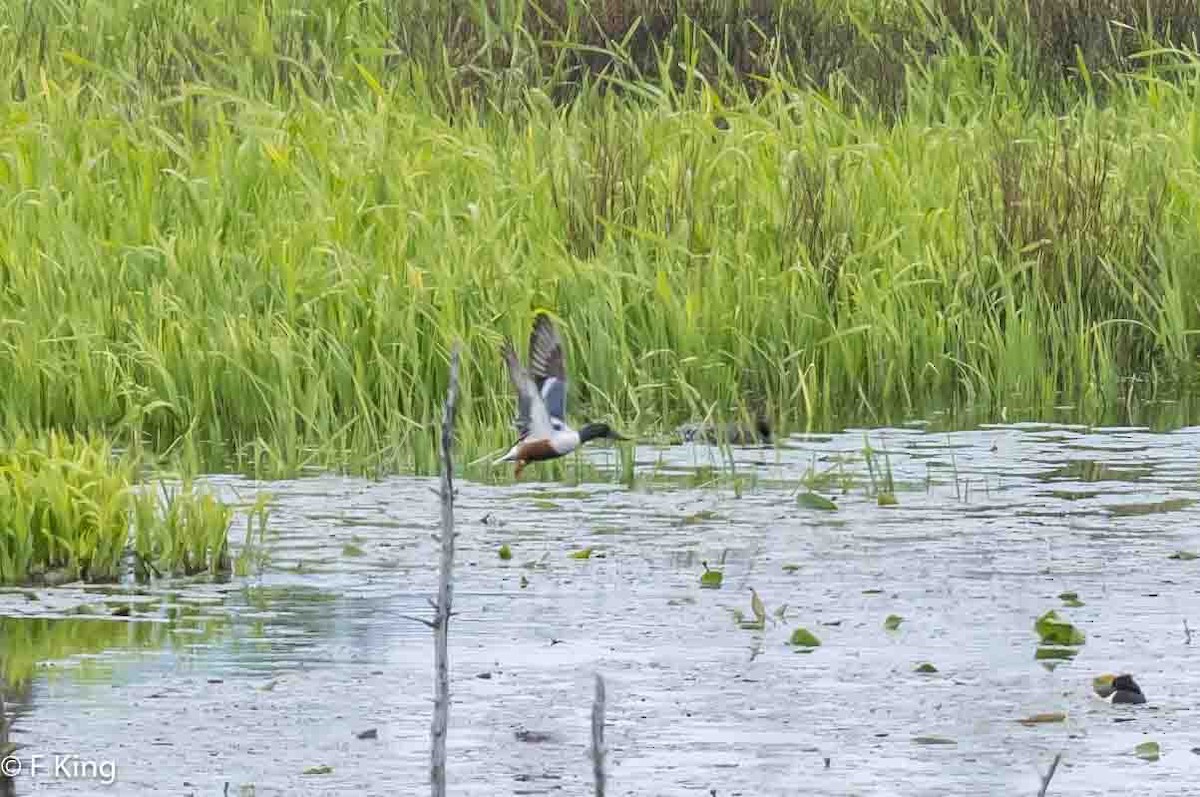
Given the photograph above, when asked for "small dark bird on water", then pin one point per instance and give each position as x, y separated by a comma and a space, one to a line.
542, 401
1118, 689
735, 434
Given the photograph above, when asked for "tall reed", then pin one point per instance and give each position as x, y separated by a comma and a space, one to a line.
244, 236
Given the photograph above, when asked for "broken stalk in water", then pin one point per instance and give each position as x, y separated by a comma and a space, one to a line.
1049, 775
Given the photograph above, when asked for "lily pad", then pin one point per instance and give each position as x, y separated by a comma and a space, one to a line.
1147, 751
505, 552
790, 568
1055, 631
1070, 599
925, 668
812, 500
324, 769
1184, 556
1043, 718
803, 638
350, 549
585, 553
893, 622
711, 579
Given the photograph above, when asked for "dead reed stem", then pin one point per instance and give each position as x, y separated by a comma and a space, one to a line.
441, 609
598, 736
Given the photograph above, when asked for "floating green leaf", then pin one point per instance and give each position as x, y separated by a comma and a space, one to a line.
812, 500
505, 552
1052, 653
1147, 751
790, 568
1054, 631
893, 622
711, 579
925, 668
698, 517
324, 769
803, 638
1184, 556
585, 553
350, 549
1070, 599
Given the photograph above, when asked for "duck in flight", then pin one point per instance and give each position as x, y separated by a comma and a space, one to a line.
542, 401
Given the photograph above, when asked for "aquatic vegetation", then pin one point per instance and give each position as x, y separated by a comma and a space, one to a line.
803, 638
505, 553
246, 237
185, 533
711, 579
811, 500
69, 509
1148, 751
1050, 655
892, 622
1054, 631
1070, 599
64, 508
1044, 718
253, 553
883, 487
925, 668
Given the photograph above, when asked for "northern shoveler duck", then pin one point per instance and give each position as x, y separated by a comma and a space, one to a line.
1118, 689
542, 401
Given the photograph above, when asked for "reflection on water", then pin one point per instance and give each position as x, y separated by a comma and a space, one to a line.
252, 683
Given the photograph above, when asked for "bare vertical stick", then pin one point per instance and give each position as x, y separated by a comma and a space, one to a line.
598, 736
441, 610
1049, 775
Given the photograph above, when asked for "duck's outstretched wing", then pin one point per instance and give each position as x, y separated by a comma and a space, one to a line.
548, 367
532, 417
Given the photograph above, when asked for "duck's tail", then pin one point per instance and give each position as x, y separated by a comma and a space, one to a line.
509, 457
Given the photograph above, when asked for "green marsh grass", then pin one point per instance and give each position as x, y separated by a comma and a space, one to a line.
244, 236
70, 509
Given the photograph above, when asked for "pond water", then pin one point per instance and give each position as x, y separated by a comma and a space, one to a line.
241, 687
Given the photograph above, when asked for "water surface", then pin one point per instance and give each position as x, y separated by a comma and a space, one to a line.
254, 681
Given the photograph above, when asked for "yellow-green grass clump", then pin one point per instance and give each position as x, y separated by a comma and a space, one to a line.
69, 509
